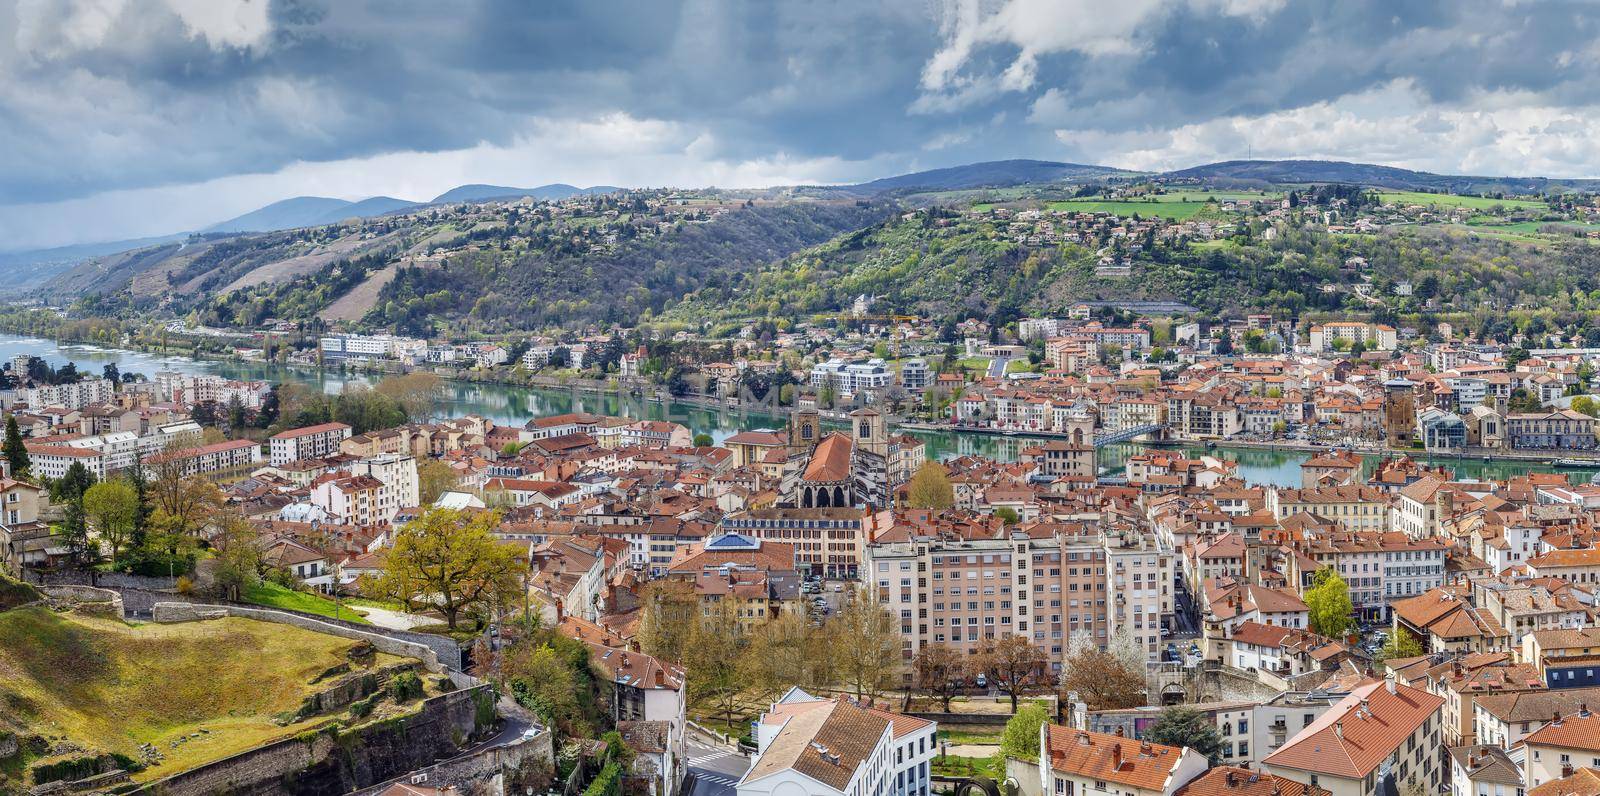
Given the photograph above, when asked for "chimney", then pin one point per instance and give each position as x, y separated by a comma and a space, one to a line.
1388, 680
1228, 779
1116, 756
1583, 709
1556, 718
1338, 729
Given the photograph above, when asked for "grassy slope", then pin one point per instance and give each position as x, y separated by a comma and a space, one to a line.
1177, 210
1449, 200
112, 686
275, 596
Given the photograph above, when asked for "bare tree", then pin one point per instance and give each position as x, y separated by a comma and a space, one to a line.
940, 670
1011, 663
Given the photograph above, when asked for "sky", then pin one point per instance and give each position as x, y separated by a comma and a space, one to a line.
124, 118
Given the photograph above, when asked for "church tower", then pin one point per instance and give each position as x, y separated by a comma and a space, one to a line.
870, 432
805, 431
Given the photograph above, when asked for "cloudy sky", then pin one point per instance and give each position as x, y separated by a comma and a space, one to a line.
135, 117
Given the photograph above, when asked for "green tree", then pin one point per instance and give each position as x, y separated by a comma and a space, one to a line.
1182, 726
1400, 645
1331, 612
112, 507
1586, 405
1021, 737
703, 440
1007, 515
930, 488
450, 560
16, 451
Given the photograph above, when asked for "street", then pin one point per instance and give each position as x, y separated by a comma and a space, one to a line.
997, 367
714, 768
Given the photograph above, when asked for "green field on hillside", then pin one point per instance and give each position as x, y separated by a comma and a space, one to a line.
1449, 200
109, 687
1176, 210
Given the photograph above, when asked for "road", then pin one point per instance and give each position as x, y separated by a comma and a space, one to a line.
715, 768
997, 367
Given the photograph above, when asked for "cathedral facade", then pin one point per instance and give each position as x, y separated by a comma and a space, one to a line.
837, 469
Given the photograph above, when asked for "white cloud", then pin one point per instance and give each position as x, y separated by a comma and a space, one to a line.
613, 149
1490, 133
225, 23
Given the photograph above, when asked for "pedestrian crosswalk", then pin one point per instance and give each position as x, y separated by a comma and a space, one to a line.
711, 757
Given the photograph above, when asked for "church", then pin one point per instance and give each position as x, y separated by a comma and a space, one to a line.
837, 469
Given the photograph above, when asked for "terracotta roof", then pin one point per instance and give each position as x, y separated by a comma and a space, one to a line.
1351, 738
1233, 781
1112, 758
1576, 731
825, 740
830, 461
1583, 782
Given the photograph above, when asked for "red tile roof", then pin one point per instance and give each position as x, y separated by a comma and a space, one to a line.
1112, 758
1351, 738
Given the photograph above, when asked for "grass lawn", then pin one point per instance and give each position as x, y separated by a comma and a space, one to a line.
111, 686
974, 363
1449, 200
1176, 210
956, 766
274, 596
1019, 366
971, 736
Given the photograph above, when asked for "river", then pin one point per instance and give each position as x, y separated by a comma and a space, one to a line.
511, 404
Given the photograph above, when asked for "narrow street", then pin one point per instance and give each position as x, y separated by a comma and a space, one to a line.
714, 769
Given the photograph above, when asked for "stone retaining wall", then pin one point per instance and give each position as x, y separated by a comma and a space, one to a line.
87, 599
168, 612
333, 762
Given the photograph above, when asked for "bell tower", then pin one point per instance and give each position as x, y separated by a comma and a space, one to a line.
805, 430
869, 431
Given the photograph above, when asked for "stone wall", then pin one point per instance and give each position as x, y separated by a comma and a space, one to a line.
189, 612
87, 599
332, 761
482, 772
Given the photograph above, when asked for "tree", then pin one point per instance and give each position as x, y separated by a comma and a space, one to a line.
866, 645
940, 669
1582, 403
1331, 612
237, 556
713, 654
775, 654
16, 451
667, 611
183, 505
112, 507
449, 559
543, 681
1400, 645
236, 413
1099, 678
434, 478
930, 488
1010, 662
419, 393
1007, 515
1021, 737
1183, 726
703, 440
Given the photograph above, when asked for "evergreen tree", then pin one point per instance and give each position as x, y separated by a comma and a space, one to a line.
141, 516
16, 452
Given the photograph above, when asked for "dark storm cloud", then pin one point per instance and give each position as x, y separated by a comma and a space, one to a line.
102, 95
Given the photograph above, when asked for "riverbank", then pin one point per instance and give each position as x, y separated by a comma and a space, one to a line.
515, 404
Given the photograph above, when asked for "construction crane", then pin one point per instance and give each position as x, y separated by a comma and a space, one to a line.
894, 339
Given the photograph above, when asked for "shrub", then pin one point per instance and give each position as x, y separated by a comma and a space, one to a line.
405, 686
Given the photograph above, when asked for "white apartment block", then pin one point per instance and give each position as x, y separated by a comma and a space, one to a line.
311, 442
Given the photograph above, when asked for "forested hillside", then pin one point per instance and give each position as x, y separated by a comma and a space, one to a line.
938, 263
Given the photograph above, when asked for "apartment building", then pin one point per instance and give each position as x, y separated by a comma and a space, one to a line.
311, 442
833, 747
75, 395
1355, 507
830, 542
1375, 336
1381, 736
222, 461
1563, 429
1083, 763
1050, 582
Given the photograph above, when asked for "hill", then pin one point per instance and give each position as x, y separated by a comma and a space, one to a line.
484, 193
937, 263
27, 270
300, 211
366, 208
990, 174
193, 692
1288, 172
